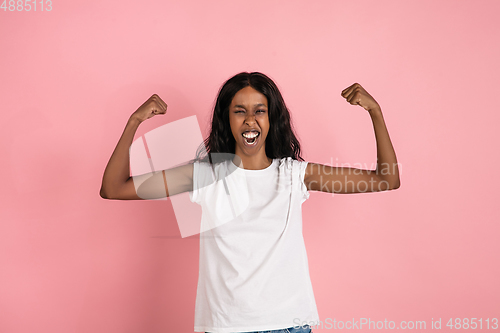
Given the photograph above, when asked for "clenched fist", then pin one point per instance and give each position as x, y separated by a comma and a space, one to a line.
356, 94
153, 106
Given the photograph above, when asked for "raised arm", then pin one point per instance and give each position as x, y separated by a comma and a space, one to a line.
385, 177
116, 181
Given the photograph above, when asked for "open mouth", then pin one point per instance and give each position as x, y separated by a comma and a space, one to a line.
251, 137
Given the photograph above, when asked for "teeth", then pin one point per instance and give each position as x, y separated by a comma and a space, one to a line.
250, 135
252, 143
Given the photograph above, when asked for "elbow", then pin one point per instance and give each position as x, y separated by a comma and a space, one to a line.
103, 194
389, 184
395, 186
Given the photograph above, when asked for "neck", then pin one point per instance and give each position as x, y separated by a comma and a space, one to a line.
253, 162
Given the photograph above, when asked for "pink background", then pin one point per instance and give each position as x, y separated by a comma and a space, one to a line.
71, 261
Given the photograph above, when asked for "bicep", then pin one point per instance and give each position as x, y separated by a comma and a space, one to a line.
330, 179
165, 183
125, 192
156, 185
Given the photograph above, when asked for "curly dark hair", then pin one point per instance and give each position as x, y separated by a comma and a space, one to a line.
280, 142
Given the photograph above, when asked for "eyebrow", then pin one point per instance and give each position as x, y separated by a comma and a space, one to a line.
241, 106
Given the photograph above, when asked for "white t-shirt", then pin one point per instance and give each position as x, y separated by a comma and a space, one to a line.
254, 272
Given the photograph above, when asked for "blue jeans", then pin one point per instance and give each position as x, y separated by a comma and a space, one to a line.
294, 329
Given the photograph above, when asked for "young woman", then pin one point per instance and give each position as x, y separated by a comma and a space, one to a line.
254, 274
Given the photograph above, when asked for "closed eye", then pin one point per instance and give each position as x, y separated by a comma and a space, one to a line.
242, 111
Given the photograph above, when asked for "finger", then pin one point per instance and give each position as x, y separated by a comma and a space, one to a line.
159, 110
349, 89
349, 93
346, 91
156, 108
155, 100
351, 98
158, 105
162, 104
356, 99
352, 95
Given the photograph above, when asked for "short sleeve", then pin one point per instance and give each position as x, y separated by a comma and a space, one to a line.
302, 165
298, 172
193, 195
202, 177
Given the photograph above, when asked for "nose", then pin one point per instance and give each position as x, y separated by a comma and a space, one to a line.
250, 119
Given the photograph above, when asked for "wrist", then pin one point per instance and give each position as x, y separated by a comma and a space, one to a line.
133, 121
375, 112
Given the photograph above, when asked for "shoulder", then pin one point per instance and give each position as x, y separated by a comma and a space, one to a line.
204, 172
203, 165
296, 171
293, 165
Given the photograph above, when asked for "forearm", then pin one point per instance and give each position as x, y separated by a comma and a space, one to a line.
387, 164
117, 171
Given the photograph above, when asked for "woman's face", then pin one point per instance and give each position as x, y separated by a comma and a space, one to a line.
249, 120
